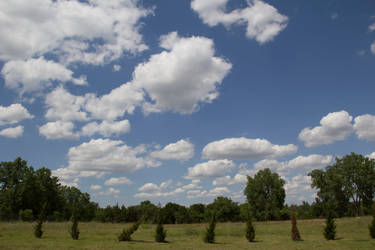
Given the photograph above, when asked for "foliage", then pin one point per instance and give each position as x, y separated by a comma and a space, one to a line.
295, 233
38, 232
225, 209
160, 233
209, 236
330, 228
250, 230
265, 194
26, 215
74, 231
196, 213
127, 232
372, 226
350, 181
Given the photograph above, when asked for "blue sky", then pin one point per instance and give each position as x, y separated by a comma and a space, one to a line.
180, 100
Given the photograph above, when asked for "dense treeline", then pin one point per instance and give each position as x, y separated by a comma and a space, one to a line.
24, 191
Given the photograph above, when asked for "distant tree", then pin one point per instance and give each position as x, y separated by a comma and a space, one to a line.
26, 215
225, 208
350, 180
330, 227
149, 211
295, 233
265, 194
372, 226
209, 236
196, 213
169, 212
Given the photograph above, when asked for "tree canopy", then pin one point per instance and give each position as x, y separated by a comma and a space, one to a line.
350, 180
265, 194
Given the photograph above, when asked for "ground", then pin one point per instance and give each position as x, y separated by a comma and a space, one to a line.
352, 233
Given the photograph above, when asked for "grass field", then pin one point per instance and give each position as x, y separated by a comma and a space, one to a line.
352, 233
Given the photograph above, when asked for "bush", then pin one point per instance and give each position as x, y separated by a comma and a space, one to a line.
74, 231
330, 228
160, 233
250, 230
209, 236
26, 215
126, 233
372, 226
295, 233
38, 232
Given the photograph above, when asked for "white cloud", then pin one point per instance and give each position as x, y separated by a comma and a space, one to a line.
244, 148
182, 150
224, 181
212, 168
335, 126
371, 27
116, 68
299, 187
70, 29
109, 191
218, 191
105, 155
119, 101
264, 22
334, 16
183, 76
58, 130
106, 128
36, 74
13, 132
371, 156
302, 164
64, 106
364, 126
310, 162
13, 114
373, 47
149, 187
95, 187
118, 181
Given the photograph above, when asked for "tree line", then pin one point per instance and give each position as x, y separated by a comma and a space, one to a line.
346, 188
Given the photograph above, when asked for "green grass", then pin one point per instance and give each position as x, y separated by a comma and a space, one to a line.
352, 233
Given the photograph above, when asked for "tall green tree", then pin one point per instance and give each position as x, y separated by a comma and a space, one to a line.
350, 180
265, 194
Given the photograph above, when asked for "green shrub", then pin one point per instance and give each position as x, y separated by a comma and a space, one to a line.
126, 233
26, 215
160, 233
330, 228
74, 231
209, 236
250, 230
295, 233
372, 226
38, 232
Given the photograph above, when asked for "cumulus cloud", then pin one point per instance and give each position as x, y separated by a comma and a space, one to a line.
244, 148
95, 187
109, 191
334, 126
13, 132
118, 181
298, 189
371, 156
70, 29
300, 163
215, 192
61, 105
116, 67
182, 150
13, 114
183, 76
36, 74
58, 130
372, 48
263, 21
106, 128
105, 155
212, 168
224, 181
364, 126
